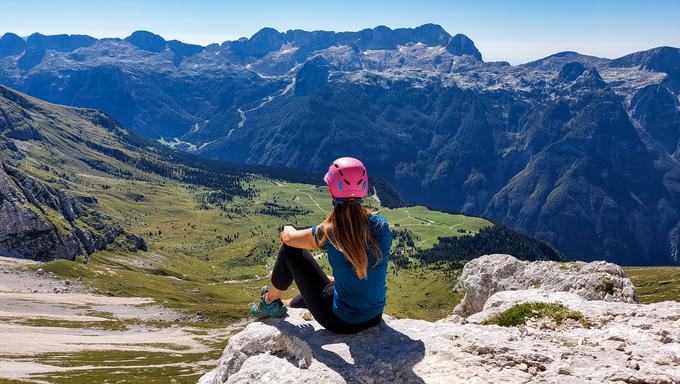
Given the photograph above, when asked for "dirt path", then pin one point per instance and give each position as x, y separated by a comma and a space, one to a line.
303, 192
34, 320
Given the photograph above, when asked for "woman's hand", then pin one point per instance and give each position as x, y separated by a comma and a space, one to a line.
285, 233
298, 238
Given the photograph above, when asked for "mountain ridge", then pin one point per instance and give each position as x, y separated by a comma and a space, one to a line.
430, 34
260, 43
448, 129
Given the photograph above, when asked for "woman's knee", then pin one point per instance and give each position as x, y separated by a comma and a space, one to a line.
286, 251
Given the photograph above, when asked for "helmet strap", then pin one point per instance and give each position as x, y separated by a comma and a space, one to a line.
345, 201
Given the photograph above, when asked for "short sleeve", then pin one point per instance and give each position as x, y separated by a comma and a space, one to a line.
386, 240
382, 233
314, 230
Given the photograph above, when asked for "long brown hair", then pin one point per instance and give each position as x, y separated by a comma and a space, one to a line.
348, 230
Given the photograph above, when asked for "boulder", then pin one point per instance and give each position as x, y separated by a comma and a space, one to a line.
486, 275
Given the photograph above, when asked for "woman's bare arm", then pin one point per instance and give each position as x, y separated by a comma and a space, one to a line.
298, 238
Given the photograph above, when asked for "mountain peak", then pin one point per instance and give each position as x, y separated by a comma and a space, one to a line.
266, 33
661, 59
463, 45
590, 79
11, 44
262, 42
434, 33
557, 61
432, 28
182, 50
147, 41
571, 71
35, 37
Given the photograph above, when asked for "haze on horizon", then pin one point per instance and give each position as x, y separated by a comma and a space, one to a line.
517, 32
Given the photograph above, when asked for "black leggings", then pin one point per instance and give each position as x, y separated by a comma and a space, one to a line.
316, 290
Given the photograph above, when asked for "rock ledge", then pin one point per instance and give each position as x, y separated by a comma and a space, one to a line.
628, 343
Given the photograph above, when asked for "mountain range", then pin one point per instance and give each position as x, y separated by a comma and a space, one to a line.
577, 150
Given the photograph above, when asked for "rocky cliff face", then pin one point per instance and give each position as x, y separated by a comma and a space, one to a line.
42, 223
619, 341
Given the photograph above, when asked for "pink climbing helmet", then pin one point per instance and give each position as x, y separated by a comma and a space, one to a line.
347, 178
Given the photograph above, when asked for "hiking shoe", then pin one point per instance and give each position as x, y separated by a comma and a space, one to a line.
263, 310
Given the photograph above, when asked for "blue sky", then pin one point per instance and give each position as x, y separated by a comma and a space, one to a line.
516, 31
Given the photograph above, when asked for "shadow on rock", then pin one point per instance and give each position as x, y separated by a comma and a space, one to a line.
380, 354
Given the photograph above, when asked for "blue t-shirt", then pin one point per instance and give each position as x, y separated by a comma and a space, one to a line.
357, 300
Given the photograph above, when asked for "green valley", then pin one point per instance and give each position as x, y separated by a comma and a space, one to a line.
211, 260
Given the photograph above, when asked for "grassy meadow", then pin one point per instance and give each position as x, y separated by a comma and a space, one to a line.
655, 284
210, 259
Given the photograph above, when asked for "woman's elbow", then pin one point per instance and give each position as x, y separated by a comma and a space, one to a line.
285, 238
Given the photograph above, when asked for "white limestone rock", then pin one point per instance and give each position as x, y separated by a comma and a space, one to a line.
486, 275
293, 350
627, 342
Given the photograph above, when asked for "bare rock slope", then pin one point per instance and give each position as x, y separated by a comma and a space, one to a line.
623, 342
42, 223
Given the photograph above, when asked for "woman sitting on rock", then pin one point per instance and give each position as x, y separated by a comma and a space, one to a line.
357, 243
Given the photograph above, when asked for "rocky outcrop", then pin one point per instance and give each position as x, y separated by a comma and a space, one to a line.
27, 231
622, 342
486, 275
41, 223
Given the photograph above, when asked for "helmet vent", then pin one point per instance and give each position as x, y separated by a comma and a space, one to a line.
346, 182
340, 171
360, 181
335, 165
364, 173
